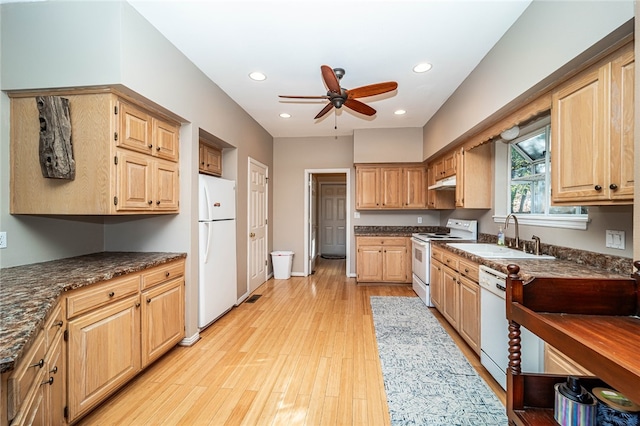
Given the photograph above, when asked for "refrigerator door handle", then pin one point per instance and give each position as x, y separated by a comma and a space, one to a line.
207, 203
206, 251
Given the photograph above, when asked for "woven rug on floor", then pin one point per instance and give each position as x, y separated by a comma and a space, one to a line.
427, 379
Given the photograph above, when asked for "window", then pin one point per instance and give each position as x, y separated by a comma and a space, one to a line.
529, 182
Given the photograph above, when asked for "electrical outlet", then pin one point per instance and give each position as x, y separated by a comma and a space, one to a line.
615, 239
419, 219
3, 240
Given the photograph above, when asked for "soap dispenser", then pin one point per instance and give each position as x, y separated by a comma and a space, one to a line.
500, 237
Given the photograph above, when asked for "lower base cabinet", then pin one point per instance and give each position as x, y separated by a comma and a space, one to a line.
383, 259
455, 293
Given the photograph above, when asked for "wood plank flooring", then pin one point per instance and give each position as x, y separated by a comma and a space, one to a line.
304, 353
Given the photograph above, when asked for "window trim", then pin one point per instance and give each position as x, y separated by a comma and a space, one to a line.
562, 221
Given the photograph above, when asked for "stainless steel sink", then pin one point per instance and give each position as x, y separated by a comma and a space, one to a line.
494, 251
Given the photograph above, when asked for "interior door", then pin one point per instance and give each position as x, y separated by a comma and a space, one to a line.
257, 246
333, 219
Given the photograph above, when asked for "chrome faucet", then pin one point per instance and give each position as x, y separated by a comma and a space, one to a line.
515, 221
537, 245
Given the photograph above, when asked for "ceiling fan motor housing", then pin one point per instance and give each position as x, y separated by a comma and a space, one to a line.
337, 99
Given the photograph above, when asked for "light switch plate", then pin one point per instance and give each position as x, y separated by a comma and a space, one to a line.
3, 240
419, 219
615, 239
356, 215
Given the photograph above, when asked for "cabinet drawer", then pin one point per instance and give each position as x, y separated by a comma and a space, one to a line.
436, 254
450, 260
376, 241
468, 269
26, 375
162, 273
54, 325
89, 298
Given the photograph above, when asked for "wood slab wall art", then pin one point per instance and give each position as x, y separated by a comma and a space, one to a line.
56, 148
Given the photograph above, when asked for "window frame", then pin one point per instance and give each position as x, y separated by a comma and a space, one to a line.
502, 207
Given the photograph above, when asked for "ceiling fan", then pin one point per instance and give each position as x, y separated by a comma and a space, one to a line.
338, 96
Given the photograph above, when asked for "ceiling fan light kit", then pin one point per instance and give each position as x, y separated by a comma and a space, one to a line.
338, 96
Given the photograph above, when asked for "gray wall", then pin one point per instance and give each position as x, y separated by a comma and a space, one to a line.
109, 43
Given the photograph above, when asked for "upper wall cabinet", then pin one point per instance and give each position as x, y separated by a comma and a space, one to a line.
126, 158
210, 159
592, 134
390, 186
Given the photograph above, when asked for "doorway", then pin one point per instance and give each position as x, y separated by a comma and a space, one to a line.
327, 219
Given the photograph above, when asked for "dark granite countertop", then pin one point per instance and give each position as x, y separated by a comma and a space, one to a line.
394, 231
29, 292
568, 263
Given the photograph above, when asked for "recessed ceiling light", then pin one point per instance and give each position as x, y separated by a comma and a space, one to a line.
400, 112
257, 76
424, 67
285, 115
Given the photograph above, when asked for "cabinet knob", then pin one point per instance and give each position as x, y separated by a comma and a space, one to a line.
613, 186
150, 146
157, 148
49, 382
149, 300
59, 323
597, 187
150, 202
38, 364
158, 203
111, 294
137, 304
54, 370
167, 274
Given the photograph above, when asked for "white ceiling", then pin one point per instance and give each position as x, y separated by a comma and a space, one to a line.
374, 41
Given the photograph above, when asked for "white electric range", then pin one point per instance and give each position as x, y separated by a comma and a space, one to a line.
459, 230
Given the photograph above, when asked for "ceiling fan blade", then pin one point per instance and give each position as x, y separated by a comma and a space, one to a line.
372, 89
324, 110
330, 79
359, 107
303, 97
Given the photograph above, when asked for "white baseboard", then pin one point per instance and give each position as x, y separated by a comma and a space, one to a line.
189, 341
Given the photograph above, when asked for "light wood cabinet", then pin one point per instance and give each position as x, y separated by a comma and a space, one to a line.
210, 159
117, 328
126, 158
381, 259
555, 362
592, 134
36, 387
455, 292
390, 186
473, 170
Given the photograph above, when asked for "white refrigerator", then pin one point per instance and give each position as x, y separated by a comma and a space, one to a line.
217, 248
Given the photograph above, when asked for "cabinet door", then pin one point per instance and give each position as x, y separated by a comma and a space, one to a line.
134, 177
469, 318
414, 190
166, 186
394, 264
622, 126
449, 165
162, 319
165, 140
579, 133
450, 302
369, 263
436, 284
212, 160
391, 187
104, 353
367, 187
135, 129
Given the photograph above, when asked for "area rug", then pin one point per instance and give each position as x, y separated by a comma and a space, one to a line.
333, 256
427, 379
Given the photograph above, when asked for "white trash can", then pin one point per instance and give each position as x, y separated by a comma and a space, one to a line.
282, 261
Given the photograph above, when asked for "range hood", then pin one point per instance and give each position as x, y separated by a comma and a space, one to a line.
444, 184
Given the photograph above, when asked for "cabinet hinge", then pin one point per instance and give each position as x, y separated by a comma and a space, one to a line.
65, 335
266, 221
266, 262
115, 109
115, 201
66, 412
115, 160
115, 136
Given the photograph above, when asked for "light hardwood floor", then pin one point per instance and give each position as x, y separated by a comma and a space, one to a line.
304, 353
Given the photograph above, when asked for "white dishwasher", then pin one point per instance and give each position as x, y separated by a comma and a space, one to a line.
494, 330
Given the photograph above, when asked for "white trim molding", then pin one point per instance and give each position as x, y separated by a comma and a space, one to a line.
567, 222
